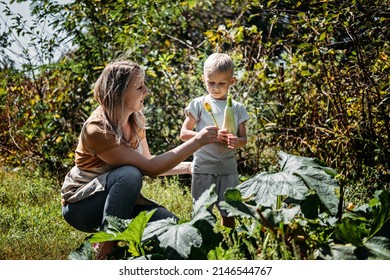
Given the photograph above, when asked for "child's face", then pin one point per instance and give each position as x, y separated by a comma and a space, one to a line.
218, 83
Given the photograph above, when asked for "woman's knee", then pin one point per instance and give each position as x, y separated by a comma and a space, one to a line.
123, 188
127, 176
81, 220
130, 171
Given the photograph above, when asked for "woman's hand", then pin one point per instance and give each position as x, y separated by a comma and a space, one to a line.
207, 135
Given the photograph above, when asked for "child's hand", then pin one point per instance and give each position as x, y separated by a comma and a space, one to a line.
227, 138
232, 141
222, 136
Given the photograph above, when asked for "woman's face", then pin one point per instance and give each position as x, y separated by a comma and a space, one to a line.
135, 94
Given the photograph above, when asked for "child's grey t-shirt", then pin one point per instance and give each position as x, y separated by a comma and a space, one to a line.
215, 158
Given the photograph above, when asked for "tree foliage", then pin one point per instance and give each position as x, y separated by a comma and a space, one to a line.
314, 76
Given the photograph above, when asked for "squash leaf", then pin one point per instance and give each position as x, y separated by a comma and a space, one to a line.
200, 209
284, 215
181, 238
299, 178
84, 252
236, 206
264, 188
380, 206
132, 234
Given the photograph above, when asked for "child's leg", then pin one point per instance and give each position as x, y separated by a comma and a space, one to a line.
201, 183
224, 183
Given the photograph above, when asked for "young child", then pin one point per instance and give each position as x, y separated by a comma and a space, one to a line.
215, 163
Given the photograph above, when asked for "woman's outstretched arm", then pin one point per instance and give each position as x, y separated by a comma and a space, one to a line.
159, 164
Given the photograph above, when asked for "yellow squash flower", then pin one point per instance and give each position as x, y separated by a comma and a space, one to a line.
207, 106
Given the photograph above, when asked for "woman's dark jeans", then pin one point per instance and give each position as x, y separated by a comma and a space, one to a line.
122, 190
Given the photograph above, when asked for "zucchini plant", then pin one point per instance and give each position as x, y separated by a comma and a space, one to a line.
290, 214
163, 239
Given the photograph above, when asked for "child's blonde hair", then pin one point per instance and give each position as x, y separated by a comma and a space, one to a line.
218, 62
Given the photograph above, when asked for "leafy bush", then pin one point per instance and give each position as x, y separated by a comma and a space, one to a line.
313, 75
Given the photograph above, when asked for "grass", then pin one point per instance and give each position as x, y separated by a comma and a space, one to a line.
31, 224
171, 193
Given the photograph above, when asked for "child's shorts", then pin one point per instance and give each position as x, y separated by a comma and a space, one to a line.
203, 182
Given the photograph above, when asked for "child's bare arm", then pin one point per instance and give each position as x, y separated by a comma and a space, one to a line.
187, 129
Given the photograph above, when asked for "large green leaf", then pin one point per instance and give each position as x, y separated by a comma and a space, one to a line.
264, 188
365, 222
84, 252
293, 163
351, 231
337, 252
377, 248
179, 237
380, 206
316, 176
202, 205
364, 231
132, 234
299, 177
204, 220
235, 206
284, 215
182, 237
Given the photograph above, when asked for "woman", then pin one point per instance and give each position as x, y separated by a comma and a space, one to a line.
113, 154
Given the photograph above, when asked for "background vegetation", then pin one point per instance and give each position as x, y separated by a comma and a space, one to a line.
314, 76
